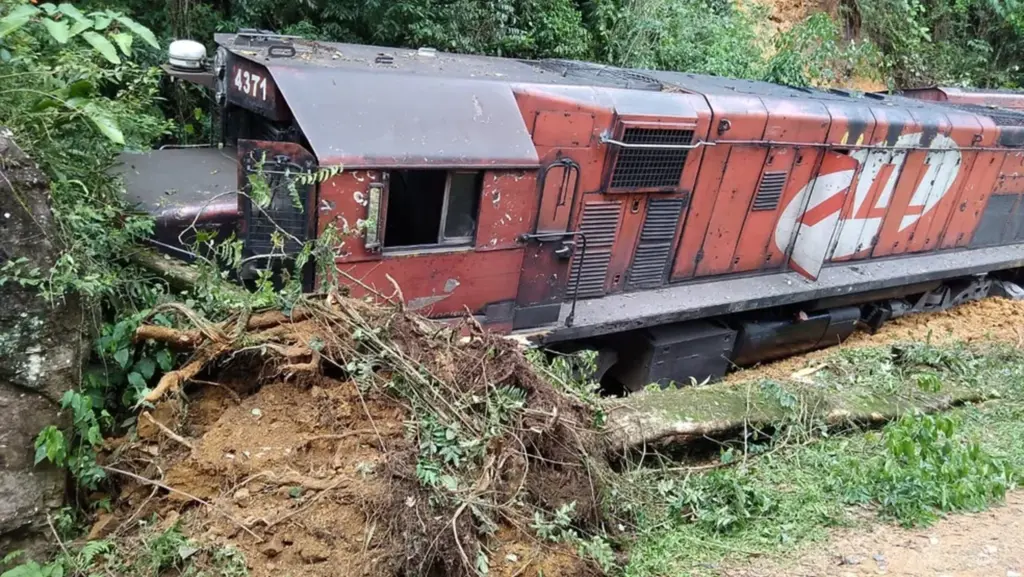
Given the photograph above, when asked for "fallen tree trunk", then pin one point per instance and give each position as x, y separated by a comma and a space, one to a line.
664, 417
42, 348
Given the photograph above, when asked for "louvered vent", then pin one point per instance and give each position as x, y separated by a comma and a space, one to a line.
600, 224
643, 168
655, 246
770, 191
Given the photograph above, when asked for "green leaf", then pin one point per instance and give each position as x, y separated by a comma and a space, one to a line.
100, 21
79, 27
58, 30
136, 380
146, 367
105, 48
17, 18
124, 42
80, 88
30, 569
69, 10
165, 360
106, 125
121, 356
141, 31
48, 8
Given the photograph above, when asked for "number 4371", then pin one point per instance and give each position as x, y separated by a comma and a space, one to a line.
251, 84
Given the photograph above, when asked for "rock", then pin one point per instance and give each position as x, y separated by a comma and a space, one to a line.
932, 539
42, 348
850, 560
879, 558
990, 549
314, 553
241, 495
272, 549
1012, 573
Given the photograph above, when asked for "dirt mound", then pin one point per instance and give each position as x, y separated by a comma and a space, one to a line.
991, 319
360, 439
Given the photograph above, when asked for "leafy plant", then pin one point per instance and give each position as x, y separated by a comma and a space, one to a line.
929, 468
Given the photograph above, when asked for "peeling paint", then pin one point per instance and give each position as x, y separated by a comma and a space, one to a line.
420, 303
451, 284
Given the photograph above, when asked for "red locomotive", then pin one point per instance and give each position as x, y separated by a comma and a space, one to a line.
680, 224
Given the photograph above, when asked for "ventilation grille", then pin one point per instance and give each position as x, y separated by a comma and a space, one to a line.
280, 211
599, 225
655, 247
770, 191
651, 167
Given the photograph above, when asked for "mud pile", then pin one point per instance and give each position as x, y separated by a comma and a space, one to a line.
358, 440
990, 319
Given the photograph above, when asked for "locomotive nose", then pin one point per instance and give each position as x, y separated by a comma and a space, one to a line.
182, 188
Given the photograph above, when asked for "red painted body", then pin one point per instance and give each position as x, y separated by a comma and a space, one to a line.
774, 179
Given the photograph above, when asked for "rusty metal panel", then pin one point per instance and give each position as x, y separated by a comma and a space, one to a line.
599, 224
563, 128
877, 173
1013, 99
507, 208
442, 284
736, 118
790, 120
369, 120
966, 130
657, 236
972, 200
930, 143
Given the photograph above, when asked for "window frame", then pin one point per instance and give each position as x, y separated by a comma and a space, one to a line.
442, 243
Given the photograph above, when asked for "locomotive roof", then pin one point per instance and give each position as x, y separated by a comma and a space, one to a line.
410, 107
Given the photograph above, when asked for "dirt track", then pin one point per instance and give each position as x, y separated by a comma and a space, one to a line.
987, 544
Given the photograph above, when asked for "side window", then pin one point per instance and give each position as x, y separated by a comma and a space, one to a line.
432, 208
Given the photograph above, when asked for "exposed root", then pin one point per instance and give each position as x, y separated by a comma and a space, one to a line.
171, 382
169, 433
513, 444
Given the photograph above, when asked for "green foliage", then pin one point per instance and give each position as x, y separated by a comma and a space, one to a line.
959, 42
928, 468
911, 472
720, 502
813, 53
572, 374
72, 112
158, 553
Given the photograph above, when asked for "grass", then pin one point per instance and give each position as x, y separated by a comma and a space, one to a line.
781, 497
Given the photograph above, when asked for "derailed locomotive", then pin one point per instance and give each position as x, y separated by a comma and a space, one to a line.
680, 224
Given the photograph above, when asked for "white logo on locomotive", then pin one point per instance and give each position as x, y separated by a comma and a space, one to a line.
835, 231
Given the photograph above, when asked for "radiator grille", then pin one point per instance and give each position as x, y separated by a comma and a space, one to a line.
599, 224
770, 191
642, 168
281, 211
654, 250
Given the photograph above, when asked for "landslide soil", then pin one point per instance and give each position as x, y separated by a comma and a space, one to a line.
991, 319
280, 455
